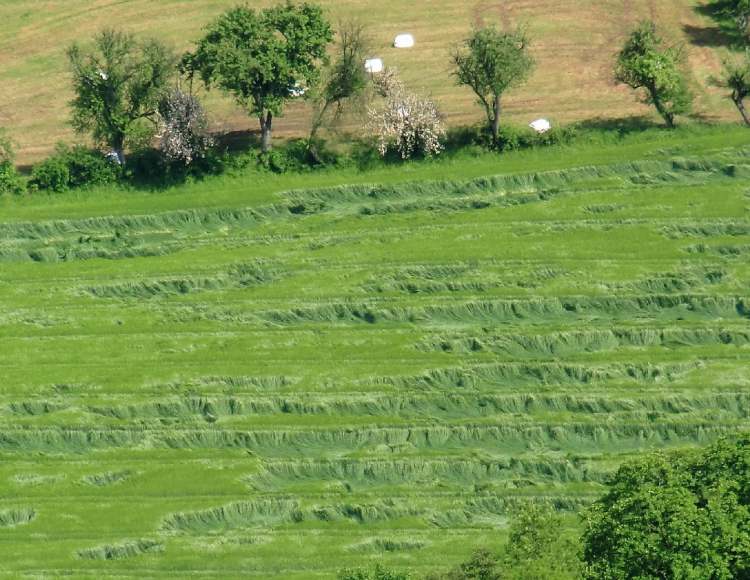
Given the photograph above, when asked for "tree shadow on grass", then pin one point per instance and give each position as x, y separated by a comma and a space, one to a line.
725, 33
621, 126
238, 141
708, 36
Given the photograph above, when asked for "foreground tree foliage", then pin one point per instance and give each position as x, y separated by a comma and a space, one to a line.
262, 57
537, 549
682, 515
736, 78
646, 63
491, 63
117, 83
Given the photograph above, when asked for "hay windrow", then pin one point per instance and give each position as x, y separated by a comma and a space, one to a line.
575, 342
107, 478
121, 551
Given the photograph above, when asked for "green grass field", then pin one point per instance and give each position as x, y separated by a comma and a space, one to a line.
281, 376
575, 44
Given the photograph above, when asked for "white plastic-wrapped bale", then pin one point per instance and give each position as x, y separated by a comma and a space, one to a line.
297, 90
541, 125
404, 41
374, 65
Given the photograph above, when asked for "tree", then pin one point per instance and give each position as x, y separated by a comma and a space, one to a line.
343, 80
736, 78
645, 63
260, 57
184, 128
118, 83
406, 122
680, 515
482, 565
739, 12
491, 63
537, 548
10, 181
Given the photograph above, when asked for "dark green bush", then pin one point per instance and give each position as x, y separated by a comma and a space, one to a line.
51, 174
74, 167
510, 138
513, 138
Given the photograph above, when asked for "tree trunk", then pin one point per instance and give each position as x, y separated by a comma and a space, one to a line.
496, 110
666, 115
317, 123
119, 148
266, 122
741, 108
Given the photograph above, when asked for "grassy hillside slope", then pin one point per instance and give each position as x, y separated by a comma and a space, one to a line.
575, 43
250, 380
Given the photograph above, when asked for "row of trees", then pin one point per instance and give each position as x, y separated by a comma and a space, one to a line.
265, 58
128, 91
682, 515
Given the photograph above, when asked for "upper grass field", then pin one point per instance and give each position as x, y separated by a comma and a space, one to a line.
282, 376
574, 42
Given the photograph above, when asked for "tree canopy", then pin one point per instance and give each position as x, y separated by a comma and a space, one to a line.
680, 515
490, 63
342, 80
260, 57
118, 82
646, 63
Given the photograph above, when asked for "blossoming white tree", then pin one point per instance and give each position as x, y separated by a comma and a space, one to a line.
406, 122
184, 128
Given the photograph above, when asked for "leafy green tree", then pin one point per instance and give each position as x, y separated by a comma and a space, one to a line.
10, 181
736, 78
490, 63
482, 565
680, 515
645, 63
537, 548
739, 13
261, 57
343, 80
118, 83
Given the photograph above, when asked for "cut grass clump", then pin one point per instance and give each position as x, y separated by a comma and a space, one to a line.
238, 276
387, 544
246, 514
121, 551
35, 408
10, 518
107, 478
